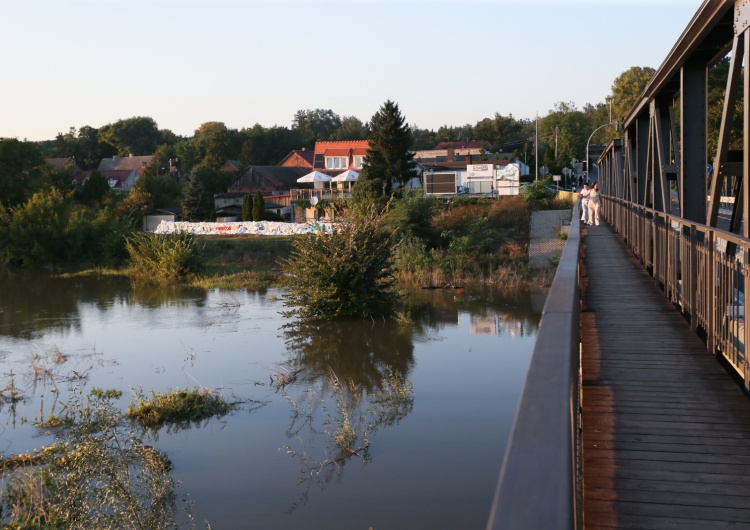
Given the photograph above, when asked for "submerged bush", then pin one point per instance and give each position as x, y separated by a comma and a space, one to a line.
343, 273
166, 258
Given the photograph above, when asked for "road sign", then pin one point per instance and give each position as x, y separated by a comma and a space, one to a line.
709, 168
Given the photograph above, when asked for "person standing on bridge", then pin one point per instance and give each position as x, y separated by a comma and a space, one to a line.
584, 195
594, 204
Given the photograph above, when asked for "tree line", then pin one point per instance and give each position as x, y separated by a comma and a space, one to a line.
28, 183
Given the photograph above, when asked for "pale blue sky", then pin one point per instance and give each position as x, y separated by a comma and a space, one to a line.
445, 62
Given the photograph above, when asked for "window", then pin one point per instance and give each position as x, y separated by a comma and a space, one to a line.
336, 162
358, 162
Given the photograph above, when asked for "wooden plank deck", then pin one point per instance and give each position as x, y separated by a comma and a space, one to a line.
666, 430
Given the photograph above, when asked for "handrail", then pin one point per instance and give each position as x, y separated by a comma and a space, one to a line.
538, 480
704, 271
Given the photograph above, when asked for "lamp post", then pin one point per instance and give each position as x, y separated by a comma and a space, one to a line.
616, 124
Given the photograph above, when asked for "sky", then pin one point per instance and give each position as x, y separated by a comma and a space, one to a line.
73, 63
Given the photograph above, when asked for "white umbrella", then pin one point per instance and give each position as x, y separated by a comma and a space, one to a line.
315, 176
347, 176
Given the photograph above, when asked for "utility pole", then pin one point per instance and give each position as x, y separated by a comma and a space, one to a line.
536, 149
555, 144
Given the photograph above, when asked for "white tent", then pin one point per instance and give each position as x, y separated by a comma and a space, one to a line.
347, 176
316, 177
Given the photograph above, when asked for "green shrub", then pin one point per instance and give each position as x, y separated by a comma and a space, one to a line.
36, 234
411, 217
157, 258
537, 192
343, 273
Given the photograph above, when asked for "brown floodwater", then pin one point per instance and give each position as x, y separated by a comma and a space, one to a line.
431, 443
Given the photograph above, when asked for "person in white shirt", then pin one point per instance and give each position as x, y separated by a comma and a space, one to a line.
584, 195
594, 204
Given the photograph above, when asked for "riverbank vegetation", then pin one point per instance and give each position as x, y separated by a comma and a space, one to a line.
433, 242
99, 474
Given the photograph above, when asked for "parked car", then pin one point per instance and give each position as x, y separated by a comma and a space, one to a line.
462, 190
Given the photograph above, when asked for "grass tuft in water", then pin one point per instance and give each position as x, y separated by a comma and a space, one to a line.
177, 407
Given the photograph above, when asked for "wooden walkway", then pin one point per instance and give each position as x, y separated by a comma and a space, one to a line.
666, 431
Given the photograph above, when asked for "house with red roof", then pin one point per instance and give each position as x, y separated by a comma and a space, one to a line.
336, 157
298, 158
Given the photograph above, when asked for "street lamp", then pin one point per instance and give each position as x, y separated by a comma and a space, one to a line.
617, 128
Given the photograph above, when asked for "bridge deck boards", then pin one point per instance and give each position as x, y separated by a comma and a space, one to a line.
666, 431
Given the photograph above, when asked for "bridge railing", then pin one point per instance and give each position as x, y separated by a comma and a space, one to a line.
538, 485
702, 270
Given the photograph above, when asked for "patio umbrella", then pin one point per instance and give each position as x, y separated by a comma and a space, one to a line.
347, 176
315, 176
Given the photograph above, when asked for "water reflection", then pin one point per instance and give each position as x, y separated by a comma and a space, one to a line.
491, 311
349, 395
352, 380
359, 351
33, 305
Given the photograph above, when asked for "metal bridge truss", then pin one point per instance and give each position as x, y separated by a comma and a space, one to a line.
663, 197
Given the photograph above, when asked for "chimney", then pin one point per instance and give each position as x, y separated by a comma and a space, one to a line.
468, 159
450, 155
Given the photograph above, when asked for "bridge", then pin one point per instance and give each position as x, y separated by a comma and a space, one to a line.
633, 414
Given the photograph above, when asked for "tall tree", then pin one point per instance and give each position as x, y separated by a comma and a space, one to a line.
351, 128
247, 207
163, 190
387, 158
317, 124
422, 139
194, 201
217, 143
259, 207
137, 136
268, 146
91, 148
626, 89
22, 171
567, 127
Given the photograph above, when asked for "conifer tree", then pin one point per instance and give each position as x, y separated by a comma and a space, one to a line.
94, 189
247, 207
387, 158
193, 201
259, 207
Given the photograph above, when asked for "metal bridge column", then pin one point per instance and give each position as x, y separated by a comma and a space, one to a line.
693, 160
746, 199
641, 160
